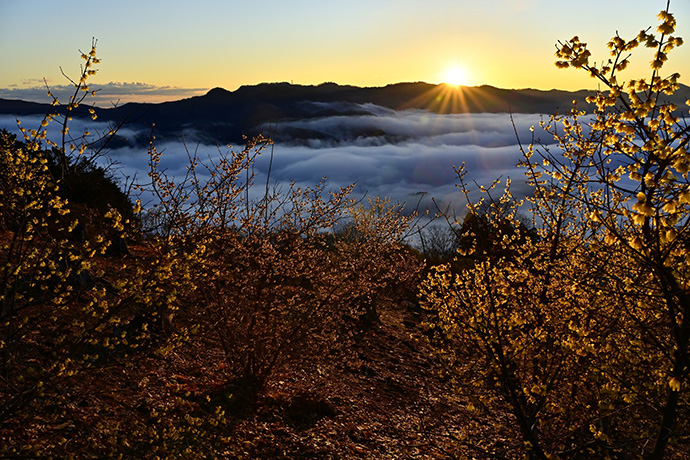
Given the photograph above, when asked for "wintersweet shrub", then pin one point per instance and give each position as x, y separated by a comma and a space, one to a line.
576, 339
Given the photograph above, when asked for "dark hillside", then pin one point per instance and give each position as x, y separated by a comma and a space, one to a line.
222, 116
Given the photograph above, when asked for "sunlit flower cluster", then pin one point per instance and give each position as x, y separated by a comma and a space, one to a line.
587, 317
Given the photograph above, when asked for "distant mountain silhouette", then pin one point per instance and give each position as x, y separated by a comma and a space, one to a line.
223, 117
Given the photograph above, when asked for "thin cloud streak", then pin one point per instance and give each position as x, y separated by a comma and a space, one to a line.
107, 94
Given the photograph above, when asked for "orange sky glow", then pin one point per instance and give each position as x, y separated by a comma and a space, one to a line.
166, 50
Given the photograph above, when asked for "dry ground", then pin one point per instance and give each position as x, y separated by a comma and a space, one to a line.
384, 397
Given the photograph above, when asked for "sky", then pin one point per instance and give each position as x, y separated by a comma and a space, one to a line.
157, 50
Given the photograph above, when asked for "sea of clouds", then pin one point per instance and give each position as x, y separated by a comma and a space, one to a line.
412, 159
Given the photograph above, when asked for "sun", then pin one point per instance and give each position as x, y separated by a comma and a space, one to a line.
456, 76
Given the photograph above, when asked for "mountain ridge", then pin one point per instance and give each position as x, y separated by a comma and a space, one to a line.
223, 116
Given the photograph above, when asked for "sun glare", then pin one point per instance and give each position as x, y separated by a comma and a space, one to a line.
456, 76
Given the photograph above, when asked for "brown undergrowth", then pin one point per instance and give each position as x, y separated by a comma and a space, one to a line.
383, 396
380, 394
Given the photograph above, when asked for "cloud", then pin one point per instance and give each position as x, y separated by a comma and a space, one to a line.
384, 126
417, 164
106, 94
403, 172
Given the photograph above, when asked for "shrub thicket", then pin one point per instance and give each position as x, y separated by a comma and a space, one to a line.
215, 284
582, 332
567, 340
